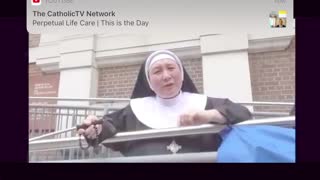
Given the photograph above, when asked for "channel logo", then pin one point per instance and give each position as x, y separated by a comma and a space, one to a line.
278, 19
35, 2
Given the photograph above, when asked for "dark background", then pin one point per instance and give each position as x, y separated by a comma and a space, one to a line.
14, 106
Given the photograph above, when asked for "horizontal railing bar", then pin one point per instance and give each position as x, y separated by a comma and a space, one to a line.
127, 136
280, 121
127, 99
204, 157
262, 103
121, 135
59, 114
63, 106
153, 133
71, 129
270, 114
52, 134
80, 99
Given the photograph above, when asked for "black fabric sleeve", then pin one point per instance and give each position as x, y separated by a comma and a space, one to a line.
234, 113
108, 129
112, 124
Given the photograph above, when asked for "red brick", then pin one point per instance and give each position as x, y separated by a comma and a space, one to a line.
118, 81
273, 76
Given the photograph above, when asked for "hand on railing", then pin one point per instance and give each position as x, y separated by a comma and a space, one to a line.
90, 129
194, 117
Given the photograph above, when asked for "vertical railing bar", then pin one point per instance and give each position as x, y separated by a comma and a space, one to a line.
35, 122
59, 120
32, 123
74, 121
42, 119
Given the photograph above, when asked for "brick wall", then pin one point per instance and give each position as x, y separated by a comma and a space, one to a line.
273, 77
118, 81
194, 69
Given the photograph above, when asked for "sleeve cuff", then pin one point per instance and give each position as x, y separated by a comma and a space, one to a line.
108, 130
222, 110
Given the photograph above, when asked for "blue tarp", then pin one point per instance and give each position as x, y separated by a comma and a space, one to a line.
257, 143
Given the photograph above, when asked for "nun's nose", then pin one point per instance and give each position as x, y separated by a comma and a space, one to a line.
166, 75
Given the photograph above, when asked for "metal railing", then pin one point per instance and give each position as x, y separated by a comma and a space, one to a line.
73, 142
58, 121
112, 100
81, 99
44, 118
201, 157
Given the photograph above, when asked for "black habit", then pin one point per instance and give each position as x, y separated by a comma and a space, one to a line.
125, 120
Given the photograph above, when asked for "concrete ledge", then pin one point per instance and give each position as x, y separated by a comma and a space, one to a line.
269, 44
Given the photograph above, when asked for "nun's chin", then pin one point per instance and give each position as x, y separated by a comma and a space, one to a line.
169, 95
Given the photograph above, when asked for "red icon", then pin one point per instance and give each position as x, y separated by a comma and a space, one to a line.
36, 2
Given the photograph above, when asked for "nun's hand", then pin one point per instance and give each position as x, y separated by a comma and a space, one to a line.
201, 117
90, 132
192, 117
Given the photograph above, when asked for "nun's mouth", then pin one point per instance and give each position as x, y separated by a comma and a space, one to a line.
168, 85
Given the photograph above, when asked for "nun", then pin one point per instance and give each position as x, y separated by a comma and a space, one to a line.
164, 96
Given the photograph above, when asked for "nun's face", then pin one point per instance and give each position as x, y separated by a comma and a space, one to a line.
165, 78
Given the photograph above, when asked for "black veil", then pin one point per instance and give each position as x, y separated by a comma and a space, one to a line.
142, 89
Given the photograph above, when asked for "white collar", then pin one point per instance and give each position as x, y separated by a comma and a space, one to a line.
170, 101
156, 112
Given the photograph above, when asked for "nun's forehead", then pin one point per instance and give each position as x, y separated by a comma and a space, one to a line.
159, 57
161, 61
